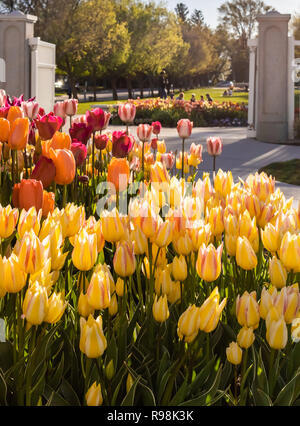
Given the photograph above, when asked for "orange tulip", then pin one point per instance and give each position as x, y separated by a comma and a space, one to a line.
118, 173
4, 129
65, 165
60, 140
19, 134
14, 112
48, 203
28, 193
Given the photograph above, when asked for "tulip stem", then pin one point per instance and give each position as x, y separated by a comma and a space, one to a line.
64, 200
143, 160
182, 159
93, 161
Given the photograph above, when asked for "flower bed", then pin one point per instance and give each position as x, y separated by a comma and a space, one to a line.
203, 114
126, 281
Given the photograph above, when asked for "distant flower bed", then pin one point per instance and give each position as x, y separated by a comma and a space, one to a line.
203, 114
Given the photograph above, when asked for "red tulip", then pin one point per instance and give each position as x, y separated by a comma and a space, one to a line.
214, 146
28, 193
156, 127
96, 119
101, 141
184, 128
121, 144
47, 125
154, 143
44, 171
127, 112
81, 132
70, 106
144, 132
4, 111
79, 151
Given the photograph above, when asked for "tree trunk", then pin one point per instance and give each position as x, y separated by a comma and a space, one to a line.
94, 78
114, 88
129, 87
141, 87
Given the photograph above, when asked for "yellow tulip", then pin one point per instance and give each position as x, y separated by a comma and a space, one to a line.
139, 241
179, 268
14, 276
93, 396
270, 238
174, 294
189, 322
163, 235
163, 282
234, 353
112, 226
245, 337
208, 263
35, 305
247, 310
84, 308
289, 252
200, 235
277, 334
245, 255
72, 218
210, 311
92, 340
277, 272
223, 183
32, 253
215, 217
84, 254
113, 306
8, 220
56, 307
230, 244
120, 287
182, 244
160, 308
2, 277
98, 292
29, 220
267, 300
124, 259
287, 302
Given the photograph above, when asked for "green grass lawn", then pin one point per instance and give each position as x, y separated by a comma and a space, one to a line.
216, 94
287, 171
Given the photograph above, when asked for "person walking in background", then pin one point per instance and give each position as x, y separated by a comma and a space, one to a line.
163, 82
193, 98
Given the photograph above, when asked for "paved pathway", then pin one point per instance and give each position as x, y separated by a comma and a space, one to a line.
240, 154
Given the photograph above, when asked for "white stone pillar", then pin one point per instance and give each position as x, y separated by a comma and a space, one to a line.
273, 69
251, 131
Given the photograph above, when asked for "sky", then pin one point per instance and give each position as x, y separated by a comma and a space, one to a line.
210, 12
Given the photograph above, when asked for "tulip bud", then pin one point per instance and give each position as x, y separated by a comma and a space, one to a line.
56, 308
188, 323
85, 252
160, 308
93, 396
29, 220
270, 238
129, 382
110, 370
184, 128
163, 282
139, 241
290, 251
179, 268
35, 304
14, 278
245, 255
210, 311
32, 253
208, 263
124, 259
84, 308
277, 272
98, 292
175, 292
277, 334
120, 287
234, 353
267, 299
8, 220
247, 310
112, 226
113, 307
92, 340
245, 337
127, 112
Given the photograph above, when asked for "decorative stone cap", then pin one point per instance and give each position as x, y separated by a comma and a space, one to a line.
17, 15
273, 15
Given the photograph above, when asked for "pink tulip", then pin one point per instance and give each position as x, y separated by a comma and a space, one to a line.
144, 132
107, 116
184, 128
101, 141
168, 159
214, 146
3, 98
70, 106
96, 119
59, 109
81, 132
122, 144
47, 125
127, 112
79, 151
30, 109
